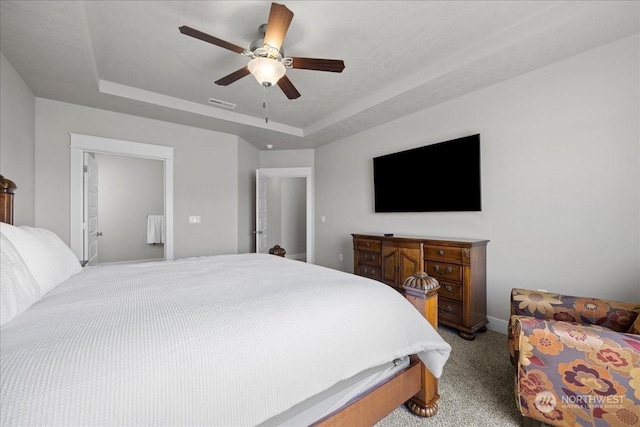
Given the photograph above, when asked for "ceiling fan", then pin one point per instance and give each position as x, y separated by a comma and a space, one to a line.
268, 63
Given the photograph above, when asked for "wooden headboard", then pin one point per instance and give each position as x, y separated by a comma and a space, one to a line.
7, 189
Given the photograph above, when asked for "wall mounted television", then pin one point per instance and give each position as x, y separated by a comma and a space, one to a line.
441, 177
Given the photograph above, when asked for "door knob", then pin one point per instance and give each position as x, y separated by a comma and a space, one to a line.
99, 233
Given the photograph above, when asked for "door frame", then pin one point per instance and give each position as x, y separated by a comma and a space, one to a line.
307, 173
90, 228
261, 188
96, 144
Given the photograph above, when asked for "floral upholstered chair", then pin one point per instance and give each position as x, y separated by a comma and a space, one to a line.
577, 359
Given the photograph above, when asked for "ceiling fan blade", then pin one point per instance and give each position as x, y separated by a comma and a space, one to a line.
236, 75
333, 65
210, 39
288, 88
279, 19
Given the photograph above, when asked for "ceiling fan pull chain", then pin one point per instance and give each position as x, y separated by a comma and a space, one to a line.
264, 104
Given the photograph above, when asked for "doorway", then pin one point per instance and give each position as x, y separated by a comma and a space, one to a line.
297, 181
81, 144
130, 198
287, 212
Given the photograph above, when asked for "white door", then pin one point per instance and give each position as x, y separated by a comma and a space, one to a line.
261, 212
90, 220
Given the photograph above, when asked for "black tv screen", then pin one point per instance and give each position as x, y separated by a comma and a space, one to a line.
442, 177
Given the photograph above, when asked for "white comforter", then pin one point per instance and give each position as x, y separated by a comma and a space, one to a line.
225, 340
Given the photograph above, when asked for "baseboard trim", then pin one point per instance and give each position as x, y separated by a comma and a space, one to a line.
136, 261
497, 325
302, 256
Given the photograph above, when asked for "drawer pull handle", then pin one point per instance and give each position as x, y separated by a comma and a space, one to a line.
367, 244
444, 271
448, 288
366, 257
440, 252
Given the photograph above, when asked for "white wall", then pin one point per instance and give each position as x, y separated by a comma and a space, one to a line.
17, 140
560, 179
129, 189
302, 158
205, 172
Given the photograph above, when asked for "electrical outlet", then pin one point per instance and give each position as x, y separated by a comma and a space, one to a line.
341, 257
194, 219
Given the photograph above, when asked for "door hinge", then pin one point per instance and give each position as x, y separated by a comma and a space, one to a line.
84, 225
85, 169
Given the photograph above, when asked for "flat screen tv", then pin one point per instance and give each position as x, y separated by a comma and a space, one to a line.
442, 177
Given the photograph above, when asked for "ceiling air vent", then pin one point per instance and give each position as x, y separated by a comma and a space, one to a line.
220, 103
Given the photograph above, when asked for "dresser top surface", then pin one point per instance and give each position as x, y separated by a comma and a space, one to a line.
436, 240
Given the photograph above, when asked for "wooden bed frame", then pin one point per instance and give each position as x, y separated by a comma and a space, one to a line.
415, 385
7, 188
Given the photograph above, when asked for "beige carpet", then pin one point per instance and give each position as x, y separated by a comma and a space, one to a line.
476, 387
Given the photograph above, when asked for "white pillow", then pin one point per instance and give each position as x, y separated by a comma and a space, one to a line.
18, 288
47, 257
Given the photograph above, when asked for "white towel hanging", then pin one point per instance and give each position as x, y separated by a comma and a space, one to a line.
155, 229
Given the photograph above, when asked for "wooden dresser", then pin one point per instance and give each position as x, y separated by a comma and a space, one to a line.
459, 265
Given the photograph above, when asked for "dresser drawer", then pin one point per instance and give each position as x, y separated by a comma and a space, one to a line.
370, 272
449, 310
461, 272
368, 244
368, 258
450, 290
445, 253
444, 271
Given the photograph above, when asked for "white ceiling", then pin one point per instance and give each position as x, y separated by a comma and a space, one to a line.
400, 57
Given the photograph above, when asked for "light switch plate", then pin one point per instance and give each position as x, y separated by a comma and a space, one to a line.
194, 219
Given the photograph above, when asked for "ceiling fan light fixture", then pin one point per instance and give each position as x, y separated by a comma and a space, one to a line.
267, 71
268, 62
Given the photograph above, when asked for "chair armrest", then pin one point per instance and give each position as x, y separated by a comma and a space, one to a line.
590, 374
615, 315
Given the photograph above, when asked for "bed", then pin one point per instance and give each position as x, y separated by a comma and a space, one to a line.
240, 339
